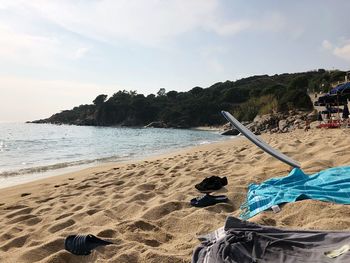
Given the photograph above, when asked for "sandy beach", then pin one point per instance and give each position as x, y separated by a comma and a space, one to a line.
143, 206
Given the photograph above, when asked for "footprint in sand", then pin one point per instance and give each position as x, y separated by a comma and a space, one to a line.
151, 242
60, 226
83, 186
63, 216
14, 207
92, 211
120, 182
10, 233
146, 187
23, 211
141, 225
91, 178
117, 196
77, 208
142, 197
43, 210
14, 243
160, 211
129, 257
99, 193
141, 173
6, 236
142, 232
42, 251
166, 180
59, 185
108, 233
106, 185
99, 173
28, 220
44, 200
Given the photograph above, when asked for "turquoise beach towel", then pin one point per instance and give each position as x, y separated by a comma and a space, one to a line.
331, 185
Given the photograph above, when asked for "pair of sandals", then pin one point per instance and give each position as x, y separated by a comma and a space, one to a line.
208, 185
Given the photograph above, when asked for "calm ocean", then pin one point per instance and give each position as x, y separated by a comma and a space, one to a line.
30, 150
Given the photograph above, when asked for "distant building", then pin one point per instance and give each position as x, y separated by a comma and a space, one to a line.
347, 76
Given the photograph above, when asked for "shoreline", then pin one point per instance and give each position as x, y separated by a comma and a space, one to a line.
23, 179
143, 206
22, 175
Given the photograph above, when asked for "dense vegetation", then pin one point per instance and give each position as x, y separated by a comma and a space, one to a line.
246, 98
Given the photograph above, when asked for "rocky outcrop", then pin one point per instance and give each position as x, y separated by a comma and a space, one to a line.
281, 122
313, 116
277, 122
232, 132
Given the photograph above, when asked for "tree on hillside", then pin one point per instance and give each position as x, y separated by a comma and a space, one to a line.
172, 94
201, 106
161, 92
100, 99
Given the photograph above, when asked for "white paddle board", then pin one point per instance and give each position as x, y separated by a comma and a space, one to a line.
258, 142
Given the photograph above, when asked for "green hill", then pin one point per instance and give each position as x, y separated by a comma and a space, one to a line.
245, 98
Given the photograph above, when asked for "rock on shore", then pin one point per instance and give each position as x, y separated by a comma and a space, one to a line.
277, 122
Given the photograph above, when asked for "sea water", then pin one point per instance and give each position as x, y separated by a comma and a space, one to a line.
29, 150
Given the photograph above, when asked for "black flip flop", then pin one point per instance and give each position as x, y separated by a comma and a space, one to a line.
208, 200
83, 244
211, 184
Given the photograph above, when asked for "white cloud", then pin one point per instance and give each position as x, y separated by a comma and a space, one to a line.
327, 45
151, 22
26, 48
232, 28
146, 22
37, 50
266, 22
26, 36
342, 51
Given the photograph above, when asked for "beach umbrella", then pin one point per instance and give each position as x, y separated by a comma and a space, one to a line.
341, 89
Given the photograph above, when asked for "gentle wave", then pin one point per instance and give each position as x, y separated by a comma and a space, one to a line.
31, 148
46, 168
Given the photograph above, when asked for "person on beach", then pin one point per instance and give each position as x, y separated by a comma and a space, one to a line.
307, 125
328, 113
345, 115
319, 117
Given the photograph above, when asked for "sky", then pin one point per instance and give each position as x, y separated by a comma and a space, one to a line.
57, 54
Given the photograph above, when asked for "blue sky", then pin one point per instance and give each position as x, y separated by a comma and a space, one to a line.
60, 53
